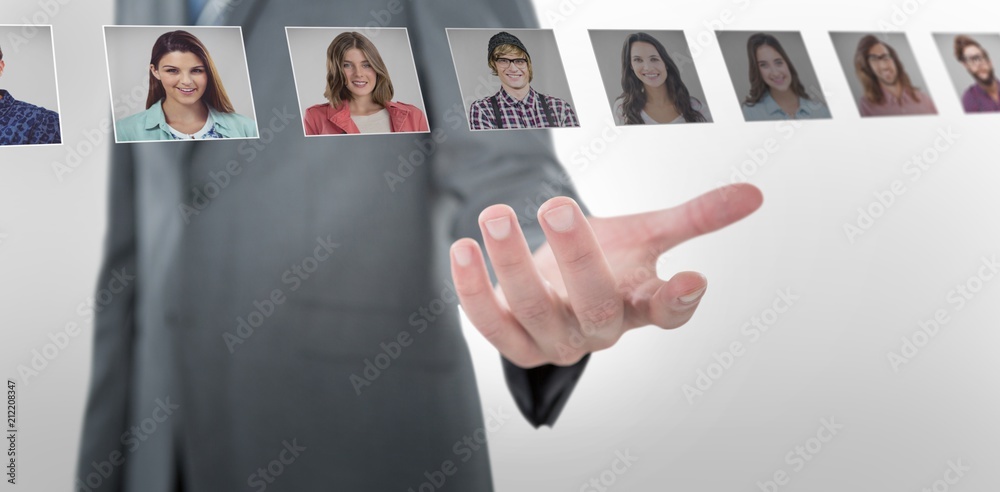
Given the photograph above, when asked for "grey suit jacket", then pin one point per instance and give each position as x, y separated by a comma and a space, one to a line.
292, 325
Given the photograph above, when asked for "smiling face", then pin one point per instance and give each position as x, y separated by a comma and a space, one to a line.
647, 65
513, 77
773, 69
977, 62
183, 76
359, 75
882, 64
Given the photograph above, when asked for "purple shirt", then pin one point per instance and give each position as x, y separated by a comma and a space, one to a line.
977, 100
526, 113
893, 106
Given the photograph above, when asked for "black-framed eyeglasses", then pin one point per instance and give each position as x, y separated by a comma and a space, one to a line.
975, 59
879, 58
505, 62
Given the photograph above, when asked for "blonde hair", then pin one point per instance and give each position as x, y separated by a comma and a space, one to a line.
508, 50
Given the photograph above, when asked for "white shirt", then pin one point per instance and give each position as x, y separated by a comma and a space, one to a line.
198, 135
374, 123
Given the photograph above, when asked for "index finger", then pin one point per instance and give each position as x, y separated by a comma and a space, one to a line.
706, 213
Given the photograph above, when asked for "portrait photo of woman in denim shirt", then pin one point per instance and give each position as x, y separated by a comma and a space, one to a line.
186, 99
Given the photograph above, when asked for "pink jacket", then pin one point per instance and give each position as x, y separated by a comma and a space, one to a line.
323, 119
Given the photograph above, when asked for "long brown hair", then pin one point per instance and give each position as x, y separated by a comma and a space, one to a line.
215, 94
757, 85
336, 83
634, 97
869, 81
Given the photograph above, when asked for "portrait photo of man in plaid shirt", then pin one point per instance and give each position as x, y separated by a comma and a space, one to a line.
516, 104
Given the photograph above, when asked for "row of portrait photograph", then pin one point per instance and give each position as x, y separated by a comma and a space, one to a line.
193, 83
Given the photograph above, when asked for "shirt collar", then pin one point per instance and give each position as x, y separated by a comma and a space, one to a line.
529, 100
772, 106
341, 116
978, 89
7, 100
891, 98
156, 119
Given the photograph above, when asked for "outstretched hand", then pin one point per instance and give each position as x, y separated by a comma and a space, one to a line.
594, 279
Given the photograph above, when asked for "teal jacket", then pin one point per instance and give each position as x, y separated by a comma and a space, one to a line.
152, 125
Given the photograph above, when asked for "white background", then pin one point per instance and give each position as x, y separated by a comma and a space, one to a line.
823, 358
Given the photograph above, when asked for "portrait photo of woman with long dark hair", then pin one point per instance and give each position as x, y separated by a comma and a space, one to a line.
769, 84
649, 86
185, 98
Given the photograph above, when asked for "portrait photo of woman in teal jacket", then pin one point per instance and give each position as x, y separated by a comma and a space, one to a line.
186, 98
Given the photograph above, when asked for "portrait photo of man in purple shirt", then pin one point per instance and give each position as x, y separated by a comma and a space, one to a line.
984, 94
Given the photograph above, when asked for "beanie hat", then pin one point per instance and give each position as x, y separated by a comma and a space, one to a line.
502, 38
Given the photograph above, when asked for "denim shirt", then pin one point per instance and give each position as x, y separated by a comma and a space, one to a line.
151, 124
767, 109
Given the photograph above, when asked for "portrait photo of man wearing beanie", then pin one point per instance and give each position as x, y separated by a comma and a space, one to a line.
516, 105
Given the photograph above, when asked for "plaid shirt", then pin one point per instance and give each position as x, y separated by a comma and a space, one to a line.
526, 113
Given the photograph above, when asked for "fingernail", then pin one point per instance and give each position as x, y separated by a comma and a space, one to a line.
463, 256
560, 218
692, 297
498, 228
